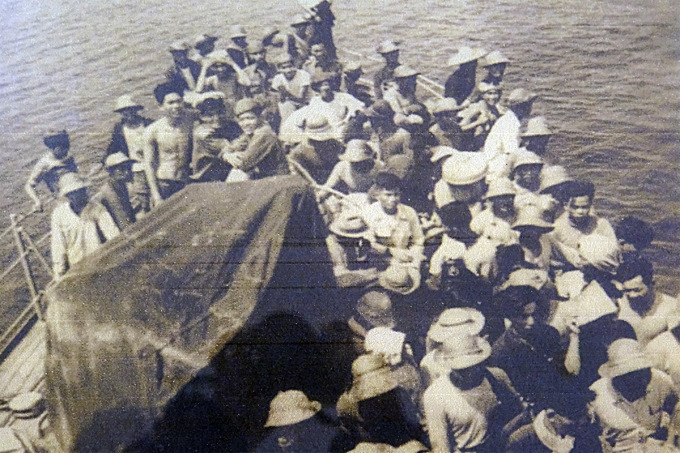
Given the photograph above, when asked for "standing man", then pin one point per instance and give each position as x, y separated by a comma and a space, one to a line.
128, 138
185, 71
389, 50
51, 166
168, 144
114, 193
78, 227
461, 83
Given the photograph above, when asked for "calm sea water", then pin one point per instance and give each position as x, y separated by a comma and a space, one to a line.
607, 72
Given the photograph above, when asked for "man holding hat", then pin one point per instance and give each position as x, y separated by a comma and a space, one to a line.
300, 44
502, 143
352, 71
408, 110
635, 405
128, 138
51, 166
257, 152
114, 193
389, 50
467, 407
78, 227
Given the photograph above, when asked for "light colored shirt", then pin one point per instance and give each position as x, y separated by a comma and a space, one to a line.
450, 249
655, 321
296, 86
400, 230
76, 236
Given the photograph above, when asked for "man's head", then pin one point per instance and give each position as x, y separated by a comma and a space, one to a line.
491, 93
521, 101
445, 113
389, 50
170, 100
635, 279
58, 142
389, 191
325, 84
180, 53
527, 171
628, 367
238, 36
247, 112
495, 64
119, 167
256, 52
537, 135
319, 51
74, 189
204, 44
634, 235
127, 108
581, 202
353, 71
406, 78
285, 66
519, 305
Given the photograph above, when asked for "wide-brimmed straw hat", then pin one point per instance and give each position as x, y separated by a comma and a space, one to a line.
466, 54
524, 157
387, 46
440, 152
237, 31
179, 46
403, 71
625, 356
246, 105
126, 102
69, 183
385, 341
371, 376
115, 159
357, 151
461, 352
291, 407
531, 217
320, 130
462, 169
376, 308
537, 126
447, 105
520, 96
456, 322
500, 187
494, 57
400, 278
349, 223
553, 176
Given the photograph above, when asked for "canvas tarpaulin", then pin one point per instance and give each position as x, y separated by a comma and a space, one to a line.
131, 325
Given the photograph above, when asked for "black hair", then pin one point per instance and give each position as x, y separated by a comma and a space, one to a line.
635, 231
212, 106
59, 139
628, 270
511, 301
583, 189
455, 215
164, 89
388, 181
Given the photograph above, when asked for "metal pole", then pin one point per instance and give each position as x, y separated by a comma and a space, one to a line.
33, 246
30, 281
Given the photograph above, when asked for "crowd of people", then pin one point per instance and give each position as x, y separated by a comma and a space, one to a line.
496, 310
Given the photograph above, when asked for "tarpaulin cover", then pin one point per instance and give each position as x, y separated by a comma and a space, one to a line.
132, 325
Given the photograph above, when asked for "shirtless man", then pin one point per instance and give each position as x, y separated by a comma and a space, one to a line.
168, 144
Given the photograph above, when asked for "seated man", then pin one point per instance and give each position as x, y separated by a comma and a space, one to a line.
356, 170
168, 144
578, 221
78, 227
635, 405
213, 132
395, 226
257, 152
51, 166
649, 311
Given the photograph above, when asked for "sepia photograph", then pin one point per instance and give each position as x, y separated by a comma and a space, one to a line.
340, 226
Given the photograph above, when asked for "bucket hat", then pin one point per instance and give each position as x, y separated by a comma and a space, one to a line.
126, 102
237, 31
456, 322
299, 19
461, 352
524, 157
500, 187
466, 54
376, 308
246, 105
357, 151
403, 71
531, 216
115, 159
400, 278
520, 96
387, 46
537, 126
291, 407
462, 169
371, 377
553, 176
269, 31
494, 57
625, 356
349, 223
69, 183
179, 46
320, 130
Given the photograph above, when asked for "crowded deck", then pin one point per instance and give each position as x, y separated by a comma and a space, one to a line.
493, 308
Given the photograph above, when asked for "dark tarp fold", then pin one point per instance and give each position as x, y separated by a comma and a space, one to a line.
129, 327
